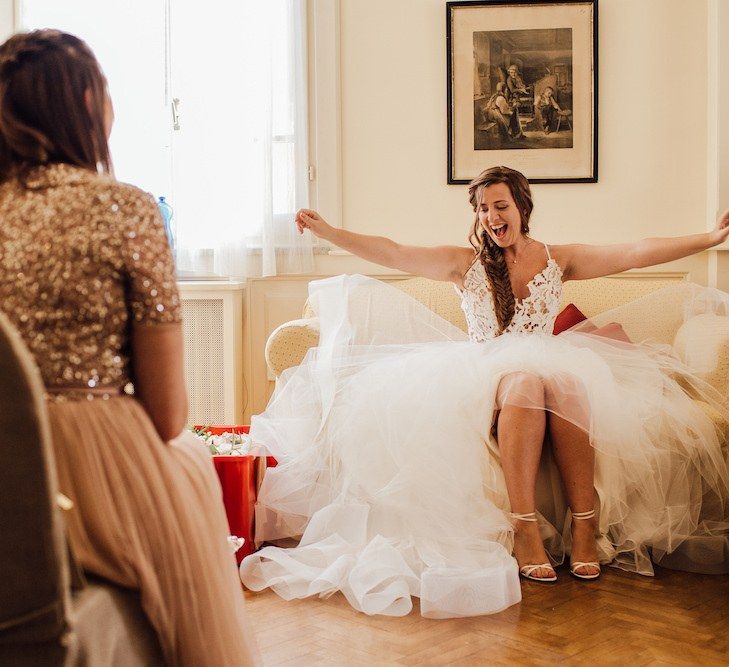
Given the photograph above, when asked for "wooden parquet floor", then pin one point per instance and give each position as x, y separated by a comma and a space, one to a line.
675, 618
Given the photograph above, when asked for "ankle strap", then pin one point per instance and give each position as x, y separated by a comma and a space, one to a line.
584, 515
530, 516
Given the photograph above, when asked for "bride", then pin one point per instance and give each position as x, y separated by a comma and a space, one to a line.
410, 454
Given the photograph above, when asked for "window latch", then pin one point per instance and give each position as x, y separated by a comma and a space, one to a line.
176, 113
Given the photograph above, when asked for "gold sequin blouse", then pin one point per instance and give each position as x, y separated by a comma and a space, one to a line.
82, 256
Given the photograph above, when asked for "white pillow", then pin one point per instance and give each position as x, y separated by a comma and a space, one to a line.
702, 343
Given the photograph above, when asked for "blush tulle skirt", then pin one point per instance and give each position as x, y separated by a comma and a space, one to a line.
389, 471
149, 516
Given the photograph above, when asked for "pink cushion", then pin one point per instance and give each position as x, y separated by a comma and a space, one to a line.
613, 330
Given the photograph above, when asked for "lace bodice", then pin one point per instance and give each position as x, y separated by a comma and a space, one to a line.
535, 313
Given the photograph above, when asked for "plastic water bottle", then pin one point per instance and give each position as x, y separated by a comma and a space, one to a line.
167, 213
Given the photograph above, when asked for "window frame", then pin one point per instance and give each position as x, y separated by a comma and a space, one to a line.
325, 115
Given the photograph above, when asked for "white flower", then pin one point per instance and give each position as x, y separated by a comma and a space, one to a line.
224, 446
243, 444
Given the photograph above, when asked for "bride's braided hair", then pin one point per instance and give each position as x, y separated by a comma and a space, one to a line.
52, 100
489, 253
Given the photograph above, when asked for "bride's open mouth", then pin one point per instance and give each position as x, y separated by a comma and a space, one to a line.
499, 231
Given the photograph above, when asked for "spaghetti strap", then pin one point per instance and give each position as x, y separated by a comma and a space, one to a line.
546, 247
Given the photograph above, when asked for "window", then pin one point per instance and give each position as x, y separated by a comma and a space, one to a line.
210, 105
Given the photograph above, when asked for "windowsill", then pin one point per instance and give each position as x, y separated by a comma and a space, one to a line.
212, 284
192, 277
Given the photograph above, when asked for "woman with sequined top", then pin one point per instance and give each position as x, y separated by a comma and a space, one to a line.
87, 277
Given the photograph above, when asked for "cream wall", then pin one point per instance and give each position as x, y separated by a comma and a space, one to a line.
6, 18
653, 96
381, 115
652, 130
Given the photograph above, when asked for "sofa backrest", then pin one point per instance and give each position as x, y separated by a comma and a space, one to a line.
592, 297
657, 318
440, 297
33, 560
598, 295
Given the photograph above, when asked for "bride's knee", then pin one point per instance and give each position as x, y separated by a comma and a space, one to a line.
522, 389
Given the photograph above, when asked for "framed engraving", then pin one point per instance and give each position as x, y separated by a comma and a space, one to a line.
522, 89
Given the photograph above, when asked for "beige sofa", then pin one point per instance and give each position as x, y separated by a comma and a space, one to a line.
654, 318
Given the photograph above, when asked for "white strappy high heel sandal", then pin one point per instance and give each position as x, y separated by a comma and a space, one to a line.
575, 565
527, 571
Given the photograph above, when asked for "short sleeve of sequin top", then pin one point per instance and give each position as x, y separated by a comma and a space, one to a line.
147, 260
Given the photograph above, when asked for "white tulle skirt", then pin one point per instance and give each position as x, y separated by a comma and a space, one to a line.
389, 470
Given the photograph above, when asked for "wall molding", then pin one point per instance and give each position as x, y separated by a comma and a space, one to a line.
652, 275
717, 140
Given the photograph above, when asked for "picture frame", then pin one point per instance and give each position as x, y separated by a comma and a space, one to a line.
522, 88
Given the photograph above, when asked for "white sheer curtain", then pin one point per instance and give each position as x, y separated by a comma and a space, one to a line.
128, 39
242, 169
235, 166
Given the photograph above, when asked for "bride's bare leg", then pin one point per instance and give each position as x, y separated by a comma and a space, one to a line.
520, 434
575, 459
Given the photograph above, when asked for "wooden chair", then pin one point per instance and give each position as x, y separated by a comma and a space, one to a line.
49, 613
566, 116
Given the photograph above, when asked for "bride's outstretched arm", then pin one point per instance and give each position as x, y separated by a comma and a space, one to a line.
589, 261
447, 263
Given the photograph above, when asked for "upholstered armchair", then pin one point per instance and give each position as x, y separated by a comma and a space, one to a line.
49, 613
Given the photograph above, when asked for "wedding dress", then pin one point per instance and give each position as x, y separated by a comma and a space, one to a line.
389, 469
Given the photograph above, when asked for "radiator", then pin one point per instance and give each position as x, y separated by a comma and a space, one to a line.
212, 319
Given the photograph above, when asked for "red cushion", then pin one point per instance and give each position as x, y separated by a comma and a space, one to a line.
569, 316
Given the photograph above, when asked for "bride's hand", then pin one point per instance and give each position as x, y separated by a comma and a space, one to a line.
311, 220
720, 233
